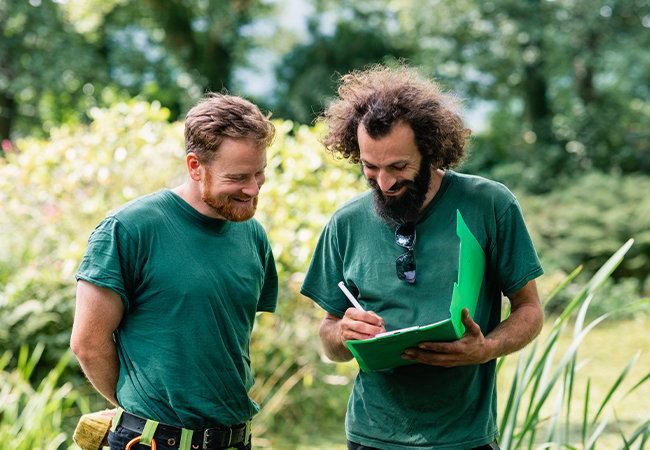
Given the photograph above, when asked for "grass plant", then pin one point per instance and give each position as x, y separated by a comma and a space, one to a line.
32, 417
538, 411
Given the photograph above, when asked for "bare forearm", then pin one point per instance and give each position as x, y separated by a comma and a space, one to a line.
333, 344
521, 327
102, 370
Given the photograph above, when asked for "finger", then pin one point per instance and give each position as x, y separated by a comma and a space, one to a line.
438, 347
368, 317
353, 329
381, 322
470, 326
430, 358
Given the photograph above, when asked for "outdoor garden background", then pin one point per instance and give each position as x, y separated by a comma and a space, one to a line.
92, 98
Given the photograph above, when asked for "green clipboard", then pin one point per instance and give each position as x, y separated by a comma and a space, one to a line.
384, 351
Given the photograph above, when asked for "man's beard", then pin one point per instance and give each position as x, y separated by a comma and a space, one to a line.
405, 208
226, 206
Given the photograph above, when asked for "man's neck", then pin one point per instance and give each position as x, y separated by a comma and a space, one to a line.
190, 192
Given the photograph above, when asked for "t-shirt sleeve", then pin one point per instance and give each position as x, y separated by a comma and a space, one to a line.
269, 296
325, 272
517, 261
108, 257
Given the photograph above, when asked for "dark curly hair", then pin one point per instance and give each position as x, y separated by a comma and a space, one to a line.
379, 97
219, 116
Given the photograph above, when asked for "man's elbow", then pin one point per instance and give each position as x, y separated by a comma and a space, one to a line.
84, 348
537, 322
78, 346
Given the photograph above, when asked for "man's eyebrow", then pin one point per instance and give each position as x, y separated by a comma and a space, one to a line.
240, 175
401, 161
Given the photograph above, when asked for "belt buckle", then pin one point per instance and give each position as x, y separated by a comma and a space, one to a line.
205, 439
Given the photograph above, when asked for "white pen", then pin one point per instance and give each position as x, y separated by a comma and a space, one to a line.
350, 297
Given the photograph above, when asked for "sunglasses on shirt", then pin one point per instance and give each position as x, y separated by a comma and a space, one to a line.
405, 264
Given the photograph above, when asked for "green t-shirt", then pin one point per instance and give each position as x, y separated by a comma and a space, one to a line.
419, 406
191, 287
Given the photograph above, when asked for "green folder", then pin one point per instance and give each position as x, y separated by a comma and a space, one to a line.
384, 351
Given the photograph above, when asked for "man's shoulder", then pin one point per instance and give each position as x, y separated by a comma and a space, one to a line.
145, 209
360, 203
481, 189
149, 203
478, 182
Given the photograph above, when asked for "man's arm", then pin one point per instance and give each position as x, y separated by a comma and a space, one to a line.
334, 331
522, 326
97, 315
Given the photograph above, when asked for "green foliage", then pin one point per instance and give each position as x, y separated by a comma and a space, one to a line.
45, 66
307, 76
564, 84
41, 417
589, 220
99, 52
53, 194
526, 420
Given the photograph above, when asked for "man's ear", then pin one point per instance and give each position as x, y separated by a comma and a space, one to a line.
193, 166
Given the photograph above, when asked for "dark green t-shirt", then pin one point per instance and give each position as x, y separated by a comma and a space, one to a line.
191, 287
420, 406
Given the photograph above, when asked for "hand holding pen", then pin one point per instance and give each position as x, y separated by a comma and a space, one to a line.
357, 323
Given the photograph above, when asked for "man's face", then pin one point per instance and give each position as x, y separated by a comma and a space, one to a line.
396, 171
231, 183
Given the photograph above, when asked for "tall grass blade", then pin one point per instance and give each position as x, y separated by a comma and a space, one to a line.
552, 432
626, 444
564, 284
601, 427
558, 372
599, 277
642, 431
585, 414
513, 390
617, 383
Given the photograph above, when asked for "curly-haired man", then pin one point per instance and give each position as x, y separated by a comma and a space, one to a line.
407, 134
169, 288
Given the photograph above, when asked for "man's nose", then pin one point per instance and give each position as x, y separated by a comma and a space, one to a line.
385, 180
252, 188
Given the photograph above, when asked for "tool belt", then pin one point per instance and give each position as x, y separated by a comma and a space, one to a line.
215, 438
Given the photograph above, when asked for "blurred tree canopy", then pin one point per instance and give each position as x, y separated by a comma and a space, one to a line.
59, 59
307, 76
567, 82
561, 87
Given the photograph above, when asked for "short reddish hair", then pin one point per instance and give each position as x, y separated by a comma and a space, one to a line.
218, 116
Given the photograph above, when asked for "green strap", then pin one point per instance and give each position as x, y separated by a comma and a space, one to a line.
116, 419
186, 440
248, 433
246, 438
147, 433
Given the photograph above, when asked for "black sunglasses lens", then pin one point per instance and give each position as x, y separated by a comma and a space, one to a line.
405, 235
406, 267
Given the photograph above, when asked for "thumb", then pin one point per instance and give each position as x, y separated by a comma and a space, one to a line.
469, 323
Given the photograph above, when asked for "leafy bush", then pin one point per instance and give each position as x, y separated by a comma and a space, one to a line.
36, 418
53, 194
587, 221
